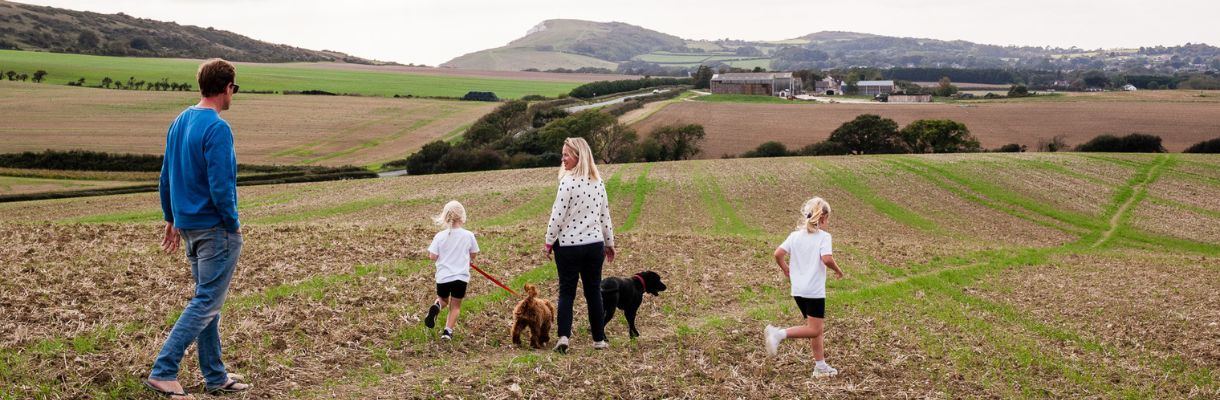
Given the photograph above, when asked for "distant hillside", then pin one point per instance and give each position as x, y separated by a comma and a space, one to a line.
30, 27
631, 49
572, 44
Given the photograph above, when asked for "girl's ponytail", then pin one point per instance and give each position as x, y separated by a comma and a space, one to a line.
452, 215
812, 213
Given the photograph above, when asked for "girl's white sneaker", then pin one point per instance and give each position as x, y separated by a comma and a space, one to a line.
601, 345
771, 337
562, 345
824, 370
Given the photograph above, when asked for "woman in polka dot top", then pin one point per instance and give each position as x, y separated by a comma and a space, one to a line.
582, 237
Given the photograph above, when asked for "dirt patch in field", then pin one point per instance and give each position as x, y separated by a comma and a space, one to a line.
735, 128
1145, 305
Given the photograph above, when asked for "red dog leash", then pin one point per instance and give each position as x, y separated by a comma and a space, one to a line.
494, 280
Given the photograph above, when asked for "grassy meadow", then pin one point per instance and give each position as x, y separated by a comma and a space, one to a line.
62, 68
971, 275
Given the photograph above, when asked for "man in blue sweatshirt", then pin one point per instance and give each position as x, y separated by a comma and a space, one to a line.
199, 199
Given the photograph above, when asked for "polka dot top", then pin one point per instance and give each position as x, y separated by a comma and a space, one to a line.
581, 214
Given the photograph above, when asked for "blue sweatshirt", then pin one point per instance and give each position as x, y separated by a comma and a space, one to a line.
199, 173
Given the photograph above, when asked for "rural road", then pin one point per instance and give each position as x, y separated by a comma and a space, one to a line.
576, 109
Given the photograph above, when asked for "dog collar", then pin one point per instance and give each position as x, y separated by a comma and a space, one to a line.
638, 278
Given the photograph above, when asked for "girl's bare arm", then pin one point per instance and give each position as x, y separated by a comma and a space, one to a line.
829, 260
781, 259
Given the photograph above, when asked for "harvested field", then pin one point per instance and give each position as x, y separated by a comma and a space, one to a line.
733, 128
964, 278
269, 129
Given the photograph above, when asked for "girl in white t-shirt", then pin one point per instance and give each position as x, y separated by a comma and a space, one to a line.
453, 249
809, 248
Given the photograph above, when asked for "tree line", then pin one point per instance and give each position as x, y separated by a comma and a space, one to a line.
602, 88
37, 77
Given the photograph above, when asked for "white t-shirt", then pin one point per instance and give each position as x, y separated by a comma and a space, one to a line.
805, 266
453, 248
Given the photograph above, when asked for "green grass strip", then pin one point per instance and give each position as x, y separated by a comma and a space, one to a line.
539, 204
944, 183
1128, 197
999, 193
724, 218
1184, 207
858, 188
643, 186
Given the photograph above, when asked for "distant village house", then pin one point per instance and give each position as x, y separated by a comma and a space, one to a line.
757, 83
873, 88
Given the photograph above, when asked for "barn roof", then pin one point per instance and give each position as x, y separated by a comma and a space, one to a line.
875, 83
751, 76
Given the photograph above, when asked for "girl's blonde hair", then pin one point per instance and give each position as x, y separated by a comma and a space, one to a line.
451, 216
812, 213
585, 168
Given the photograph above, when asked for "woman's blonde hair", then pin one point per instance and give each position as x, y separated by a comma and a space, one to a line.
451, 216
585, 168
812, 213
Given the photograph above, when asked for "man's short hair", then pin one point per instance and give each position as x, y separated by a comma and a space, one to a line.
214, 76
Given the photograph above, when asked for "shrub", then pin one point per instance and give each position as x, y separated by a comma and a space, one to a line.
768, 149
1055, 143
1011, 148
825, 148
1018, 91
534, 97
678, 141
1133, 143
480, 96
424, 160
462, 160
1207, 146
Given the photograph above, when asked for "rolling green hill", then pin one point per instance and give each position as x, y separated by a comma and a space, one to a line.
631, 49
30, 27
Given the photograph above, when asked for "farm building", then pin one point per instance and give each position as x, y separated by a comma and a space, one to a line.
873, 88
909, 98
758, 83
828, 86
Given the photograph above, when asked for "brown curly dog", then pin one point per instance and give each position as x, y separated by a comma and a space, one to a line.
536, 314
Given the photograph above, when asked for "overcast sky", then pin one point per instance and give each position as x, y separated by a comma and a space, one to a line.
434, 31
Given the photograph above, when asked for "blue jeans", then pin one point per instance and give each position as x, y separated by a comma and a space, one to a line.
213, 254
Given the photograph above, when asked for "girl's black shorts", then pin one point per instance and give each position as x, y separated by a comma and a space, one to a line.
811, 307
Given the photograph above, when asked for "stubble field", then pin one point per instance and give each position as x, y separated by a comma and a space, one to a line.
268, 129
1180, 118
996, 276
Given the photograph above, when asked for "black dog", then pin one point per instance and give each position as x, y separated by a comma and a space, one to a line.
628, 293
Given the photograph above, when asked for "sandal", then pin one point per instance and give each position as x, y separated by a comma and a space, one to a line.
148, 384
228, 386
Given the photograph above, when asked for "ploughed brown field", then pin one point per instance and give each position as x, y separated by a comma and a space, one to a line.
1033, 275
269, 129
1180, 118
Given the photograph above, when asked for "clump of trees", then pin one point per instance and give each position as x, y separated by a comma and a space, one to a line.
1133, 143
38, 76
132, 84
520, 134
873, 134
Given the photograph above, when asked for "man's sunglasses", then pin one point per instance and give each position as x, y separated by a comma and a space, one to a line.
235, 87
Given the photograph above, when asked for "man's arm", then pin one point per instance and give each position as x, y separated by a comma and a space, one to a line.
222, 175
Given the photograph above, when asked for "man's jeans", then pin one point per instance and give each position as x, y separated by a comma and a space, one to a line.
213, 254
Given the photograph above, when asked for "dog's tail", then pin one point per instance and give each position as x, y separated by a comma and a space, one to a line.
531, 291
